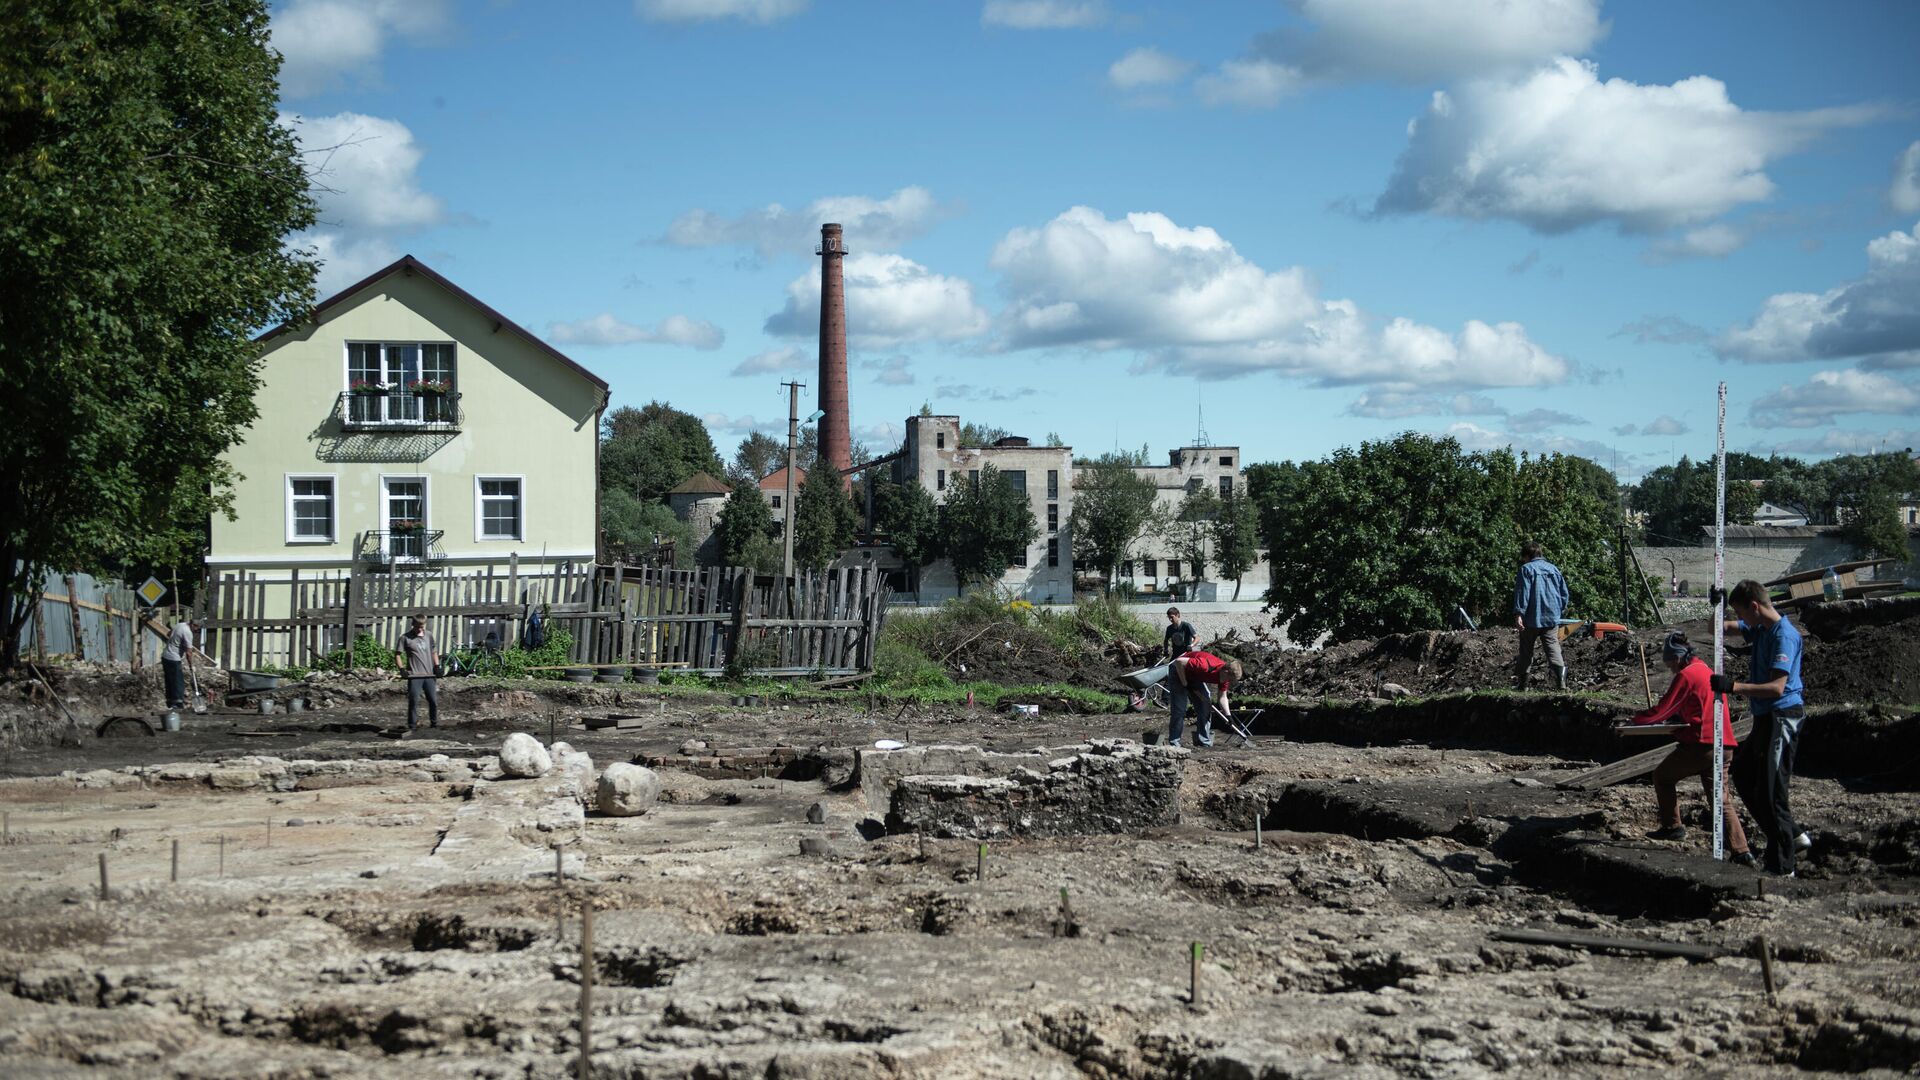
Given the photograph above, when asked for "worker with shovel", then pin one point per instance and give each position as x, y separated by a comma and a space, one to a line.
419, 658
182, 645
1192, 674
1689, 701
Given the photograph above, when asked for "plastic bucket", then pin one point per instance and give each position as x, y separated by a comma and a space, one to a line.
172, 721
296, 705
266, 706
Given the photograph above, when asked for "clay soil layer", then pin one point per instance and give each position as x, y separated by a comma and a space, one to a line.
401, 917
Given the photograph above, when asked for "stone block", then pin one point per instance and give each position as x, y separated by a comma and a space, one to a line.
521, 755
627, 790
1109, 786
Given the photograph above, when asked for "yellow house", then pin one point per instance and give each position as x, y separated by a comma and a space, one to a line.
409, 427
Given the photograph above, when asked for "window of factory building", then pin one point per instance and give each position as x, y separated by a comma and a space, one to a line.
973, 474
1053, 483
1016, 479
1126, 568
1226, 487
940, 480
939, 440
1149, 567
1173, 568
1226, 460
1053, 517
1053, 551
776, 502
1193, 484
1020, 559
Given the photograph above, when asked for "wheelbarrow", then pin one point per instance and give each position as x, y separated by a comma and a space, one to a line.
246, 686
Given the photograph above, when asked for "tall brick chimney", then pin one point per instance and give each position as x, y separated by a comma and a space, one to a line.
836, 438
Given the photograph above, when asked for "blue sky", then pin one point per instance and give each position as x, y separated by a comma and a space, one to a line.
1555, 225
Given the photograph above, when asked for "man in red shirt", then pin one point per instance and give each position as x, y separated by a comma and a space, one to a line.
1689, 700
1193, 673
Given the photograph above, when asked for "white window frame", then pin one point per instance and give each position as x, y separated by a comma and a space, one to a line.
346, 373
426, 510
480, 509
333, 508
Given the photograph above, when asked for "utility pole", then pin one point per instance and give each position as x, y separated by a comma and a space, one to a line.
793, 439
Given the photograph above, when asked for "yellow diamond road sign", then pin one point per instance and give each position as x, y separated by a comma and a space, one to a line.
152, 591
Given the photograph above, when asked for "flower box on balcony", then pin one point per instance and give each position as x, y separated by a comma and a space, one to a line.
366, 389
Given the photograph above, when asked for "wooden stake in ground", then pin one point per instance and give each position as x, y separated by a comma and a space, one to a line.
980, 864
1766, 969
176, 862
1645, 682
586, 987
1193, 988
223, 855
104, 894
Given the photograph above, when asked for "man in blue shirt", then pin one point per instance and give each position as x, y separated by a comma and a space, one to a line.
1539, 596
1763, 767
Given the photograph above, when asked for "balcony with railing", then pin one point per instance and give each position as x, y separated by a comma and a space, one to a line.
401, 548
399, 411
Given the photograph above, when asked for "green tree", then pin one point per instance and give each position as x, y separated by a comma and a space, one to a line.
148, 191
638, 526
757, 457
1190, 530
1236, 540
1112, 506
909, 518
1555, 505
972, 434
1391, 537
647, 451
824, 519
1678, 500
987, 526
745, 530
1873, 528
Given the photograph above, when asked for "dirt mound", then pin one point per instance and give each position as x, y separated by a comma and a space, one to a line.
1869, 659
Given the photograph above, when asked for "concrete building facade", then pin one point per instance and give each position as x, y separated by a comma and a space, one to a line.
1157, 565
934, 458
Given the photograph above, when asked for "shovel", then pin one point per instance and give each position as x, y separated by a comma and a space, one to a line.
199, 699
1235, 726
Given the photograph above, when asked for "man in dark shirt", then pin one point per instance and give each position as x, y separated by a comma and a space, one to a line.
418, 657
1180, 634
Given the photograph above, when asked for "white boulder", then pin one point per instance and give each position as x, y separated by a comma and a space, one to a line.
627, 790
522, 755
574, 768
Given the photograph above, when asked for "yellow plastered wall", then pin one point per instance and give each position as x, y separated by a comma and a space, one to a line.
525, 414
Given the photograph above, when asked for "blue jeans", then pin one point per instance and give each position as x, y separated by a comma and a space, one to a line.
1177, 694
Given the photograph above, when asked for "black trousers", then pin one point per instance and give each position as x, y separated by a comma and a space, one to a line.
1762, 771
418, 686
176, 683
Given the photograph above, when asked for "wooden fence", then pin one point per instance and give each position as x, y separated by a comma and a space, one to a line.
86, 619
617, 615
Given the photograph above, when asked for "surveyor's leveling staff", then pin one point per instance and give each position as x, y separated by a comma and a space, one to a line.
1720, 628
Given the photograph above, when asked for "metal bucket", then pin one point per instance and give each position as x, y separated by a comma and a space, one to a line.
296, 705
266, 706
172, 721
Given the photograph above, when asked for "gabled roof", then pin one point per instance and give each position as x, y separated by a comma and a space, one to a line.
699, 483
407, 264
778, 478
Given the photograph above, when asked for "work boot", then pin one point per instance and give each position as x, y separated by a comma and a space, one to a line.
1671, 832
1560, 677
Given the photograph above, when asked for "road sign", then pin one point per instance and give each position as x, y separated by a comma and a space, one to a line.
151, 591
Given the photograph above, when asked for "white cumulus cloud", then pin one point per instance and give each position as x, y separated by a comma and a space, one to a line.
1184, 299
1146, 67
1424, 41
774, 360
1559, 149
892, 371
604, 329
890, 300
321, 41
363, 172
1904, 195
1043, 14
870, 224
1715, 241
1472, 436
1663, 425
1251, 83
1876, 316
754, 11
1831, 394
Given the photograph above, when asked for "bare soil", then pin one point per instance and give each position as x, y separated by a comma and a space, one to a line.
414, 927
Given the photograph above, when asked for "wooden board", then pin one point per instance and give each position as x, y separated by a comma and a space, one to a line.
1636, 766
1817, 574
1650, 729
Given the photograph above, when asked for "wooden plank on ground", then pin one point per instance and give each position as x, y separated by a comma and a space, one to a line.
1602, 941
1636, 766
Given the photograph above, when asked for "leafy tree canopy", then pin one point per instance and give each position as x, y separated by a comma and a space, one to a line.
987, 525
148, 192
745, 530
972, 434
1873, 526
757, 457
1678, 499
1236, 538
1112, 507
824, 519
648, 451
637, 526
907, 515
